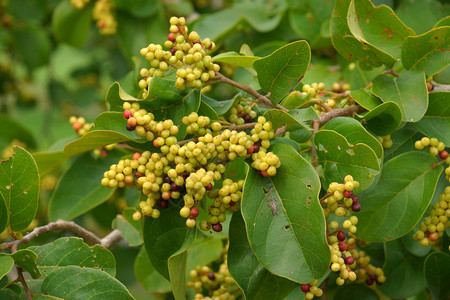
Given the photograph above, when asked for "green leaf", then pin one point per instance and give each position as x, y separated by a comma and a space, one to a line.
72, 251
429, 52
279, 118
69, 201
6, 264
32, 44
203, 252
8, 294
401, 264
138, 8
377, 26
383, 119
26, 259
166, 237
340, 159
443, 77
281, 71
3, 214
116, 96
421, 15
47, 161
130, 229
235, 59
355, 133
402, 195
148, 277
206, 110
19, 185
176, 264
437, 275
222, 107
366, 99
272, 209
355, 291
71, 25
73, 282
295, 99
14, 130
402, 141
409, 91
412, 245
436, 122
254, 280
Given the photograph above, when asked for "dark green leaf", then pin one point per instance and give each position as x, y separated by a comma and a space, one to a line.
340, 159
409, 91
73, 282
130, 229
283, 218
402, 195
402, 141
280, 71
288, 141
206, 110
8, 294
254, 280
33, 44
148, 277
366, 99
26, 259
436, 122
116, 96
222, 107
19, 185
72, 251
412, 245
71, 25
355, 291
421, 15
401, 264
3, 213
14, 130
139, 8
429, 52
6, 264
437, 274
235, 59
383, 119
69, 200
279, 117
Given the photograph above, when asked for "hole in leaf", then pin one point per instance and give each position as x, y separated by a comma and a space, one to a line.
308, 200
96, 266
339, 147
287, 227
350, 151
321, 147
308, 186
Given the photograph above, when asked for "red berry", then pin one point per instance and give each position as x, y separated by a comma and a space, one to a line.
342, 246
76, 126
170, 37
433, 236
209, 187
355, 199
136, 156
443, 154
348, 194
104, 153
211, 276
173, 186
232, 203
132, 121
195, 212
265, 174
127, 114
137, 174
163, 204
217, 227
173, 51
369, 281
130, 128
349, 260
305, 287
166, 195
341, 236
247, 118
356, 207
155, 143
250, 150
255, 147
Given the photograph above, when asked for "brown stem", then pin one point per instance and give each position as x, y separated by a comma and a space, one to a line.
438, 164
328, 195
24, 283
88, 236
347, 111
392, 72
316, 124
111, 239
323, 287
250, 91
323, 105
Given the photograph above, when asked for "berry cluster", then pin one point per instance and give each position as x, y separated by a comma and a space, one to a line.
241, 114
217, 285
79, 4
184, 52
79, 125
197, 124
386, 141
311, 290
433, 226
342, 192
313, 89
366, 271
103, 15
339, 87
434, 147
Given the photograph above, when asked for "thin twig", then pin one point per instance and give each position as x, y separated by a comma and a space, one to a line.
316, 124
111, 239
250, 91
347, 111
392, 72
24, 283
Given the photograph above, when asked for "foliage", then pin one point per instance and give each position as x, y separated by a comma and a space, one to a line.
242, 150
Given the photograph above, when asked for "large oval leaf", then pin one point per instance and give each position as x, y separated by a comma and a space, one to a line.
236, 59
280, 71
437, 274
436, 122
73, 282
6, 264
77, 193
383, 119
19, 185
429, 52
409, 91
340, 159
26, 259
255, 281
284, 220
72, 251
402, 195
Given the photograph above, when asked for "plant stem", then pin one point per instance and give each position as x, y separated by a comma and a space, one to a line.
24, 283
392, 72
250, 91
315, 124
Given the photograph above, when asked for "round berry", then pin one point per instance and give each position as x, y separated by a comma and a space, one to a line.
433, 236
247, 118
443, 154
166, 195
341, 236
195, 212
173, 186
355, 199
209, 187
356, 207
127, 114
136, 156
305, 287
369, 281
348, 194
171, 37
163, 204
76, 126
342, 246
130, 128
211, 276
349, 260
217, 227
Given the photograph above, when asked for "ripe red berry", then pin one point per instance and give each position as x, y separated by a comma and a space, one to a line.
130, 128
369, 281
305, 287
247, 118
217, 227
127, 114
132, 121
163, 204
170, 37
104, 153
265, 174
211, 276
250, 150
255, 147
342, 246
443, 154
137, 174
356, 207
232, 203
209, 187
349, 260
341, 236
433, 236
167, 179
76, 126
136, 156
166, 195
348, 194
195, 212
155, 143
173, 51
173, 186
355, 199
